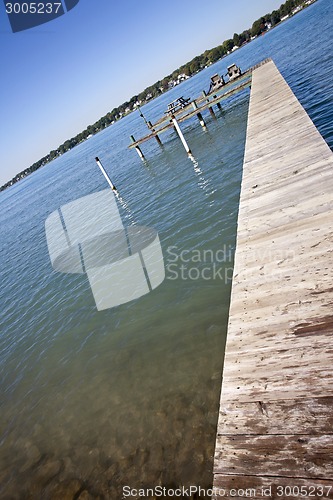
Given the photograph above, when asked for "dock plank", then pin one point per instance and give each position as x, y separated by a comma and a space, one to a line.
301, 456
313, 416
276, 415
258, 487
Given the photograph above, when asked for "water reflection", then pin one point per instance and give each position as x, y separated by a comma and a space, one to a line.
128, 212
203, 183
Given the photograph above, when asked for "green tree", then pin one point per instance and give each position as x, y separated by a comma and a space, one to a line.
214, 55
236, 40
194, 67
245, 36
290, 5
165, 84
258, 27
275, 17
228, 45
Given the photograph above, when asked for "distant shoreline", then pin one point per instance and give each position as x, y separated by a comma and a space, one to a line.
259, 27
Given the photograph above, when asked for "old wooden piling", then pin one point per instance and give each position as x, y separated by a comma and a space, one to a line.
210, 109
150, 127
158, 140
199, 115
275, 428
218, 104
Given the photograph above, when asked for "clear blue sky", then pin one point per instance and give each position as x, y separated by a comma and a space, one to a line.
64, 75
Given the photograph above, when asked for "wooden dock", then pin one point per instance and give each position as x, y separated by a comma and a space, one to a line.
196, 106
275, 429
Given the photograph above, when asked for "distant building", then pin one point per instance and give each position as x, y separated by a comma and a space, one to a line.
182, 77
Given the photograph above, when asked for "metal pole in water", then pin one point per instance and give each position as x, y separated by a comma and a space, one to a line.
138, 150
199, 115
112, 186
180, 133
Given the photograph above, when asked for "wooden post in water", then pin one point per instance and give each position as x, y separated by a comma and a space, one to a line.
138, 150
108, 180
210, 108
218, 104
149, 125
180, 133
142, 116
199, 115
156, 136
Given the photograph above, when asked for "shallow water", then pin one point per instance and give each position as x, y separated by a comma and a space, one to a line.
129, 396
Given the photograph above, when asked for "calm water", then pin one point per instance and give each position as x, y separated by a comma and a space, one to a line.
129, 396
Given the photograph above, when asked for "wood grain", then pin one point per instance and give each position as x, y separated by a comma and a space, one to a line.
274, 488
276, 415
295, 416
302, 456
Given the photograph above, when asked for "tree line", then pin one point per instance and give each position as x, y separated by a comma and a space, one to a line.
190, 68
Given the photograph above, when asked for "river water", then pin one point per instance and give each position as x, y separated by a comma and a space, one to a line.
96, 400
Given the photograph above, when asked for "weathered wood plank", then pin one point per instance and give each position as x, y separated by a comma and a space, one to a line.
278, 373
280, 488
275, 455
277, 393
301, 416
264, 362
249, 336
